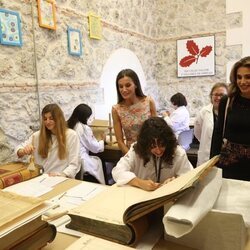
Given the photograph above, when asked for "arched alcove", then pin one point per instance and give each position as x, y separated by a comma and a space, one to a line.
118, 60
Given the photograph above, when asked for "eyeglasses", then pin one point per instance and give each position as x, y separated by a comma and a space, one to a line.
218, 95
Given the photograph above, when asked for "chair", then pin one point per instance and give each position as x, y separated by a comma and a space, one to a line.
185, 138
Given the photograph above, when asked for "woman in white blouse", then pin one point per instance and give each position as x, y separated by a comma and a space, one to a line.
54, 146
154, 159
179, 119
91, 165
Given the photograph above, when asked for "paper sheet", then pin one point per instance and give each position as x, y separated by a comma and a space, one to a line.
188, 211
37, 186
71, 199
78, 194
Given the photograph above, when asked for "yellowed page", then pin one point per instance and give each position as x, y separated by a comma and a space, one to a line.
110, 205
14, 205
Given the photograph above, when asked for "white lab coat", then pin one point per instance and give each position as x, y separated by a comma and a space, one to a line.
90, 164
131, 166
69, 166
178, 120
203, 131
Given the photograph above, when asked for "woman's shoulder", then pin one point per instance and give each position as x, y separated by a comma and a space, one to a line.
36, 134
180, 151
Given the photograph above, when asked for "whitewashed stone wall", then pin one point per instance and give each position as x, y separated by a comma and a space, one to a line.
148, 28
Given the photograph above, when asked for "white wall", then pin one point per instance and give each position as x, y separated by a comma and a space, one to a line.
240, 35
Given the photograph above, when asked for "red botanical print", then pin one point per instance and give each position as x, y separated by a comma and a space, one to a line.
192, 47
195, 53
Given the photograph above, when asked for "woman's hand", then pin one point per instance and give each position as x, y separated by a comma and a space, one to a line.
166, 113
147, 185
27, 150
57, 174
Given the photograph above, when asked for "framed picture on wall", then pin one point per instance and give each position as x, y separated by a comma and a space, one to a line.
196, 57
74, 42
10, 28
95, 27
47, 14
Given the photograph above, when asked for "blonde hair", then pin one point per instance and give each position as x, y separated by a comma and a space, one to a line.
45, 138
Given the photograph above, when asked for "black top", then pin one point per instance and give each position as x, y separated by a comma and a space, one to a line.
237, 129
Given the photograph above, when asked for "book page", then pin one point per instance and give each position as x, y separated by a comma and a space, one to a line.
13, 206
110, 205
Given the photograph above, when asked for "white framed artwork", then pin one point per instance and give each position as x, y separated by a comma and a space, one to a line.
196, 57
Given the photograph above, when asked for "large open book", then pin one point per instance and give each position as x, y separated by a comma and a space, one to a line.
120, 214
15, 172
21, 226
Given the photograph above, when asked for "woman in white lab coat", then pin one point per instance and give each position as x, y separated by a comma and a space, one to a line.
91, 165
154, 159
179, 119
205, 121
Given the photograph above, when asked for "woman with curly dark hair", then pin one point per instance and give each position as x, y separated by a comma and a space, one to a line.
154, 159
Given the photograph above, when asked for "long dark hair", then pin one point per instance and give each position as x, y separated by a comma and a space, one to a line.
233, 87
129, 73
80, 114
156, 128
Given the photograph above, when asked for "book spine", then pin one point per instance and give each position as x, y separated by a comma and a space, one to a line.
122, 234
11, 179
19, 176
37, 240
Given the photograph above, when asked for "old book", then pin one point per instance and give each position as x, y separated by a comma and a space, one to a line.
34, 234
20, 222
15, 172
120, 214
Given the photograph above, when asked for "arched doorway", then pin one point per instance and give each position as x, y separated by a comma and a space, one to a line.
119, 59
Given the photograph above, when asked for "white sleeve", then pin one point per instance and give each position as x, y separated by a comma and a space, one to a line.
168, 121
90, 141
177, 118
198, 126
73, 146
24, 144
122, 173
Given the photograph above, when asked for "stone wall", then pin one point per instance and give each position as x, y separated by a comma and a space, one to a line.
148, 28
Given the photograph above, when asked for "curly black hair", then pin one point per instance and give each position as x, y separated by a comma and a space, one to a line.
156, 128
